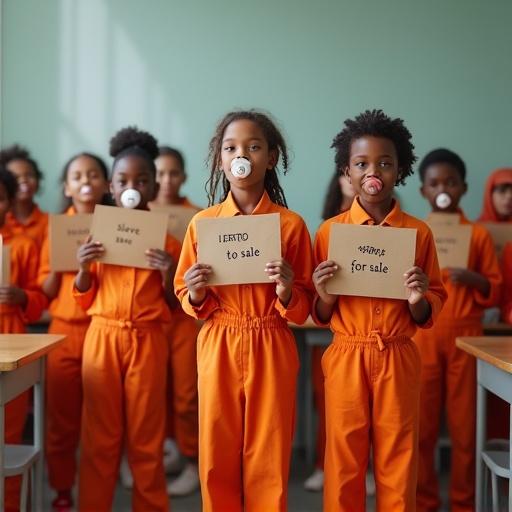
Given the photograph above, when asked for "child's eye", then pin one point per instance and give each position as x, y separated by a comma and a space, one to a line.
229, 148
385, 164
254, 147
360, 165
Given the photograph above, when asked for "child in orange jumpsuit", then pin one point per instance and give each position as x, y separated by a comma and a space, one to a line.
372, 367
124, 367
246, 353
339, 197
182, 336
25, 216
85, 182
448, 376
20, 302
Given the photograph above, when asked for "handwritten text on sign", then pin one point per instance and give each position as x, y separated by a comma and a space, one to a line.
67, 233
127, 234
372, 260
452, 244
238, 248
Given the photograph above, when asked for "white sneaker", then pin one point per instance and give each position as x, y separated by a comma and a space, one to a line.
172, 457
370, 483
186, 483
315, 483
125, 473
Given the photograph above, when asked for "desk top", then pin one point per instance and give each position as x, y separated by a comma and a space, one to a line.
20, 349
492, 349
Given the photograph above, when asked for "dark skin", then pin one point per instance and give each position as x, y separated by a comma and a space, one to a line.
444, 178
244, 138
131, 172
373, 171
12, 295
28, 185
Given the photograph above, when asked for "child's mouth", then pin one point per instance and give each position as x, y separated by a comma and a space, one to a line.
86, 190
24, 188
443, 200
372, 186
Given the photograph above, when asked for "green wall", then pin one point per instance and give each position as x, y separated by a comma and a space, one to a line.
76, 71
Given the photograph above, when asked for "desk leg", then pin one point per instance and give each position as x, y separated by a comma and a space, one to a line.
37, 481
481, 406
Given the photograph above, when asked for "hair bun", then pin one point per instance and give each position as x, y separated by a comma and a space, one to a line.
14, 152
132, 137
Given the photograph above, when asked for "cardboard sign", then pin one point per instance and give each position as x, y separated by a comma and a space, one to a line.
501, 234
127, 234
238, 248
443, 219
372, 260
67, 234
179, 218
5, 266
452, 244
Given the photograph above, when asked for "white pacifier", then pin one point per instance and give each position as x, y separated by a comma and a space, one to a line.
130, 198
240, 167
85, 190
23, 187
443, 200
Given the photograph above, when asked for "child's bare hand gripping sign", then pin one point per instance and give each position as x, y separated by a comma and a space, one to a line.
196, 279
13, 295
281, 272
87, 253
323, 272
416, 282
162, 261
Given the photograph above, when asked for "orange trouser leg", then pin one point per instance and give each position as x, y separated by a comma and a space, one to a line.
319, 399
374, 393
247, 379
64, 403
124, 374
182, 335
15, 417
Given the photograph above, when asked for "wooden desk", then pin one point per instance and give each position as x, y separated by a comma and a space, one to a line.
494, 373
22, 365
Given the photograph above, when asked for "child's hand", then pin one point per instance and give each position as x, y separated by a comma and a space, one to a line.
13, 295
196, 280
88, 252
159, 260
461, 276
323, 272
281, 272
416, 281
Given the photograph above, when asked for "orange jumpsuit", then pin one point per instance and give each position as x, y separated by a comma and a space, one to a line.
319, 400
63, 378
372, 381
247, 370
506, 262
36, 226
448, 379
24, 263
124, 371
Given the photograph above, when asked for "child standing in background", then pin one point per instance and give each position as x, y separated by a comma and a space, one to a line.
372, 367
339, 197
21, 302
125, 352
25, 216
247, 358
182, 336
448, 374
85, 182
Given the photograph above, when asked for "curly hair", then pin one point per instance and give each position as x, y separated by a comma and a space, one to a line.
17, 152
275, 141
132, 141
10, 183
376, 123
442, 156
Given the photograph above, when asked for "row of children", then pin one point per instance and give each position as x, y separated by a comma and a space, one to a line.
246, 357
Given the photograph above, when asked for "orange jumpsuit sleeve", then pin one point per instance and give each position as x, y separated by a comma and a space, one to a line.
188, 258
299, 255
487, 266
85, 299
44, 263
506, 308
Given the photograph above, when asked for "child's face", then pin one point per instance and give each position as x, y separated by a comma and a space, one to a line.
5, 203
347, 190
373, 168
443, 178
244, 138
25, 174
502, 200
170, 176
133, 172
85, 182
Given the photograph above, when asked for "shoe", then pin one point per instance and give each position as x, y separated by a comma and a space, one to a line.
370, 483
125, 473
63, 502
172, 457
186, 483
315, 483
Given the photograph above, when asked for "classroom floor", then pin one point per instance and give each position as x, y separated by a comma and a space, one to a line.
299, 499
